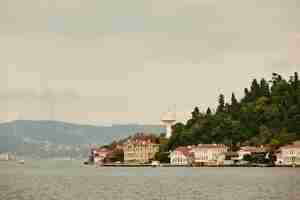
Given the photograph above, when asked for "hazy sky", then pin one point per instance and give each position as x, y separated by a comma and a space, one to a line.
102, 62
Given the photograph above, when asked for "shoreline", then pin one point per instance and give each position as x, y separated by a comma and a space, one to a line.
198, 166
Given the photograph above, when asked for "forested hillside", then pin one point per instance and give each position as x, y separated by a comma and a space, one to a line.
48, 139
268, 113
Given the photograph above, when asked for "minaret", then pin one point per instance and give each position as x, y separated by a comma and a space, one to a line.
169, 119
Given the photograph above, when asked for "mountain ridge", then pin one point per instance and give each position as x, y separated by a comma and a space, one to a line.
36, 137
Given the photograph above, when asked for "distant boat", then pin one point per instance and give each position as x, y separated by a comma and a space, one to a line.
155, 164
21, 162
86, 162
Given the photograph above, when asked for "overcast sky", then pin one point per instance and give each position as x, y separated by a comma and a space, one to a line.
102, 62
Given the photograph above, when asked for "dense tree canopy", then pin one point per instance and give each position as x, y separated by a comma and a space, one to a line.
268, 113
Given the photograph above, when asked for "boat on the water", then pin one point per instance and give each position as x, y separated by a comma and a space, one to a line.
155, 163
21, 162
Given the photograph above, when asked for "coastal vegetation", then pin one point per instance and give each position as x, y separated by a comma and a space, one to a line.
267, 114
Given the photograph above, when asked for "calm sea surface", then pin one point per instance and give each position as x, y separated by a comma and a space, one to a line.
51, 180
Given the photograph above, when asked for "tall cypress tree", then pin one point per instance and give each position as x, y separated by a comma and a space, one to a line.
221, 106
234, 101
264, 88
234, 108
296, 81
276, 78
195, 113
227, 108
255, 90
246, 98
208, 111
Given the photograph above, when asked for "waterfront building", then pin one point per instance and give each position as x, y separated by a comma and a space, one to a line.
182, 156
102, 156
209, 154
231, 158
7, 157
289, 155
250, 150
140, 148
297, 142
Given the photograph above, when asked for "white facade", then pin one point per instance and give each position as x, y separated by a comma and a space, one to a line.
139, 151
289, 155
177, 158
209, 153
7, 157
181, 156
249, 150
242, 153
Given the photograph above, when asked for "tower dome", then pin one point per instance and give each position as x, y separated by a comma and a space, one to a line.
169, 119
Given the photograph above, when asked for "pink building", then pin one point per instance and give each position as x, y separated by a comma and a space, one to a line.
101, 156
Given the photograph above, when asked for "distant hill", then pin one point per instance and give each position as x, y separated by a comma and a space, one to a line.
58, 139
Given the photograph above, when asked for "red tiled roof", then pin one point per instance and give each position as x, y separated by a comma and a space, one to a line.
103, 151
142, 142
253, 149
141, 138
211, 146
292, 146
185, 151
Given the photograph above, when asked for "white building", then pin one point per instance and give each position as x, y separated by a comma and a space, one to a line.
141, 148
249, 150
210, 154
289, 155
182, 156
7, 157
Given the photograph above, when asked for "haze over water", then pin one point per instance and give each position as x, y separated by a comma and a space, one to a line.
51, 180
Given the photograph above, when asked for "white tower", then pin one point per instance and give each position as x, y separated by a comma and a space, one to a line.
169, 119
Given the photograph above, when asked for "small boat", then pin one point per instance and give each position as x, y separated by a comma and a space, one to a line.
155, 164
86, 162
21, 162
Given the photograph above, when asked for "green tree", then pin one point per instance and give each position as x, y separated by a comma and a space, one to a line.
284, 137
117, 156
221, 106
247, 96
268, 114
265, 88
208, 112
162, 157
195, 113
255, 90
178, 128
249, 158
